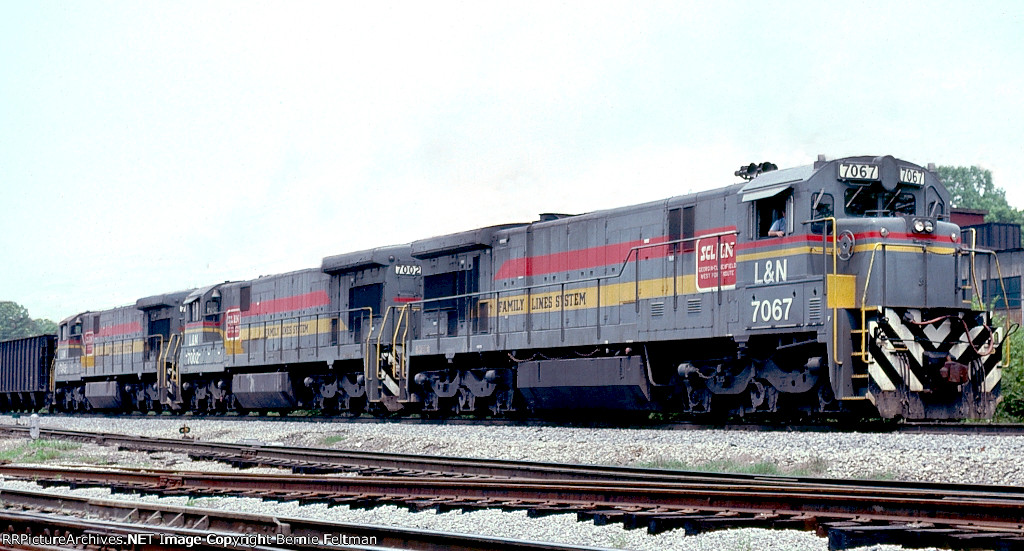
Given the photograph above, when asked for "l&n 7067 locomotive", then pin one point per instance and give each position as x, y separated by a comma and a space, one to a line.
825, 288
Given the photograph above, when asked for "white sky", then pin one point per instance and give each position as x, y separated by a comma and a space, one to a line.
147, 147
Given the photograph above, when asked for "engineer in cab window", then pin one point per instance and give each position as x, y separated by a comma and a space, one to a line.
778, 228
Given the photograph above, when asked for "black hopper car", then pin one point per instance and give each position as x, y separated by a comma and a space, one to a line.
827, 288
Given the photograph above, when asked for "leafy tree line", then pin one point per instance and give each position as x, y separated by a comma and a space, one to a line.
15, 322
972, 187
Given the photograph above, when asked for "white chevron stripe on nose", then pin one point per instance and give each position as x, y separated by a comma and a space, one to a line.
874, 370
904, 333
996, 374
940, 333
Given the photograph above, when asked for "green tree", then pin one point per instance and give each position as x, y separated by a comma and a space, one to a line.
45, 327
971, 187
15, 322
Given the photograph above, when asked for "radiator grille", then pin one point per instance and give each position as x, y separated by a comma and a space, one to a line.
814, 309
693, 305
657, 308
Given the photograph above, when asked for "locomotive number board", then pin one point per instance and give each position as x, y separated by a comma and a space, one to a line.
857, 171
912, 176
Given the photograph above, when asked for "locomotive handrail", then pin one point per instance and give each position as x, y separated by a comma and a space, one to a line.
824, 276
159, 347
176, 369
53, 376
369, 335
316, 318
973, 250
864, 353
394, 341
999, 273
161, 358
162, 365
574, 281
104, 360
598, 279
383, 323
825, 238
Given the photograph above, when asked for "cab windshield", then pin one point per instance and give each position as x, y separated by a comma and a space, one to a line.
874, 200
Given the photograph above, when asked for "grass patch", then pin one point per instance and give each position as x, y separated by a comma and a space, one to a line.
94, 460
332, 439
38, 451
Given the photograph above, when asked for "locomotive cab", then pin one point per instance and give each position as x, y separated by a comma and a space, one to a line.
903, 338
852, 272
69, 394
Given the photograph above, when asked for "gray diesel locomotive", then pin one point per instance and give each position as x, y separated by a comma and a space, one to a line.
833, 287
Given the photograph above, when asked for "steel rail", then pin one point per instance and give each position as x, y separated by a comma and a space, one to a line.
313, 460
290, 533
890, 505
848, 519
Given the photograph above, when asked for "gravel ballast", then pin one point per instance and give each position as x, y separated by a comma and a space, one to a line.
981, 459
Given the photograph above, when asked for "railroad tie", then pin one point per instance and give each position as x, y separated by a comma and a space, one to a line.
602, 517
550, 508
847, 537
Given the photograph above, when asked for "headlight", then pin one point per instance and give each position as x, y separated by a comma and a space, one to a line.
918, 226
928, 226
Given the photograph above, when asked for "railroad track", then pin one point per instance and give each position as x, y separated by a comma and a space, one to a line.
120, 524
368, 463
938, 514
851, 516
879, 426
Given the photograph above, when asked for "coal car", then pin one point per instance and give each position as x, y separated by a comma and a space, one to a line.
25, 366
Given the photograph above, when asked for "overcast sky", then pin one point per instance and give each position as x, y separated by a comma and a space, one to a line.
147, 147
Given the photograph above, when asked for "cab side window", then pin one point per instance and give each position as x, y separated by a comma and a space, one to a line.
769, 213
822, 206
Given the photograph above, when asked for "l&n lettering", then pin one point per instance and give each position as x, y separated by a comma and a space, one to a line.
774, 271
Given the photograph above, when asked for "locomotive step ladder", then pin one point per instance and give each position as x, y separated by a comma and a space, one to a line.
386, 362
860, 353
168, 375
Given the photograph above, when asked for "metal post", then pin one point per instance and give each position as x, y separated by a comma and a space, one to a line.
718, 255
529, 314
636, 297
561, 317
